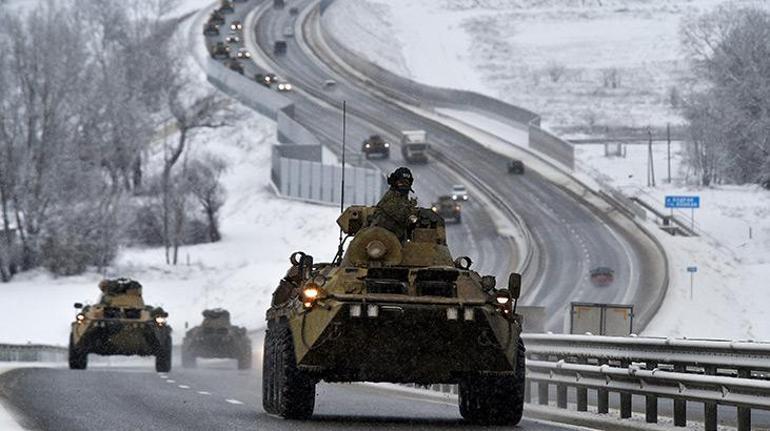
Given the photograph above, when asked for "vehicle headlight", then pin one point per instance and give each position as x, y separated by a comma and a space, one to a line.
288, 86
502, 300
367, 145
160, 320
434, 209
387, 145
311, 293
80, 317
454, 197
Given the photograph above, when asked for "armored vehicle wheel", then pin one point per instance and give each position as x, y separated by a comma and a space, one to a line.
244, 359
188, 359
494, 400
78, 359
287, 391
163, 357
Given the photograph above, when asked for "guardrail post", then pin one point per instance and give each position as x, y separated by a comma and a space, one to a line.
625, 398
710, 409
582, 394
744, 413
542, 393
527, 391
561, 396
651, 401
602, 397
680, 406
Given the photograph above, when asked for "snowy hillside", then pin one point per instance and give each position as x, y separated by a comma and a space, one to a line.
581, 64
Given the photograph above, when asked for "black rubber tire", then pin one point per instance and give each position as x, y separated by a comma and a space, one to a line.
163, 357
188, 358
244, 359
78, 359
290, 392
493, 400
268, 386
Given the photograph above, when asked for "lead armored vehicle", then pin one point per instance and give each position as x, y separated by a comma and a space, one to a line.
216, 337
120, 324
392, 311
375, 144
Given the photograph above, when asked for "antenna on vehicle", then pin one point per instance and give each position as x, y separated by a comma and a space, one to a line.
342, 190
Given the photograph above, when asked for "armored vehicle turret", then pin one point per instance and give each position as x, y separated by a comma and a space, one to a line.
216, 337
120, 324
387, 310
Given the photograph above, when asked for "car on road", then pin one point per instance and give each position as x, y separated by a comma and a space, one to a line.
293, 10
602, 276
515, 166
216, 337
459, 193
284, 86
448, 209
233, 37
288, 31
120, 323
243, 53
375, 145
220, 51
210, 29
329, 83
236, 26
279, 47
235, 66
226, 7
217, 18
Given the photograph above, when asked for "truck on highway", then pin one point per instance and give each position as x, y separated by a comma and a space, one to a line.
216, 337
414, 146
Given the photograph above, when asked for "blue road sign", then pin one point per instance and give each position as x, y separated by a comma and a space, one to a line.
682, 201
692, 269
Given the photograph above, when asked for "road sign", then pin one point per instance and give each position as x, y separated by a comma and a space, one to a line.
692, 269
682, 201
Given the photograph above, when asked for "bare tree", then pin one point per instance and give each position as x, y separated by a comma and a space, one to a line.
190, 113
203, 177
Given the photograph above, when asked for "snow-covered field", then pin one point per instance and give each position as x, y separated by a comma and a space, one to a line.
239, 273
732, 254
581, 64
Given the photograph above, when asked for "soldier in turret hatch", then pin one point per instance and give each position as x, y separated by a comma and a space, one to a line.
395, 208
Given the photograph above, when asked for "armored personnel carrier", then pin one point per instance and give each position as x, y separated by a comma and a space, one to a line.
448, 209
216, 337
392, 311
375, 144
120, 324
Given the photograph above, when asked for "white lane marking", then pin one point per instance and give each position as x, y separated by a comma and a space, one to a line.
236, 402
184, 387
170, 381
162, 376
204, 393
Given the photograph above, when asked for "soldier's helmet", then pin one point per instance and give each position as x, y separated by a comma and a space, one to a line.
401, 179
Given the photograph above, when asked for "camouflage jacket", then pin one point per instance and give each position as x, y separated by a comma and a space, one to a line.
393, 212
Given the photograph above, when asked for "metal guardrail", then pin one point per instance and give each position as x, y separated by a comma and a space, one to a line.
32, 353
712, 372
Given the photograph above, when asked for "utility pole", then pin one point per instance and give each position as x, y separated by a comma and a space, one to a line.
650, 165
668, 139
